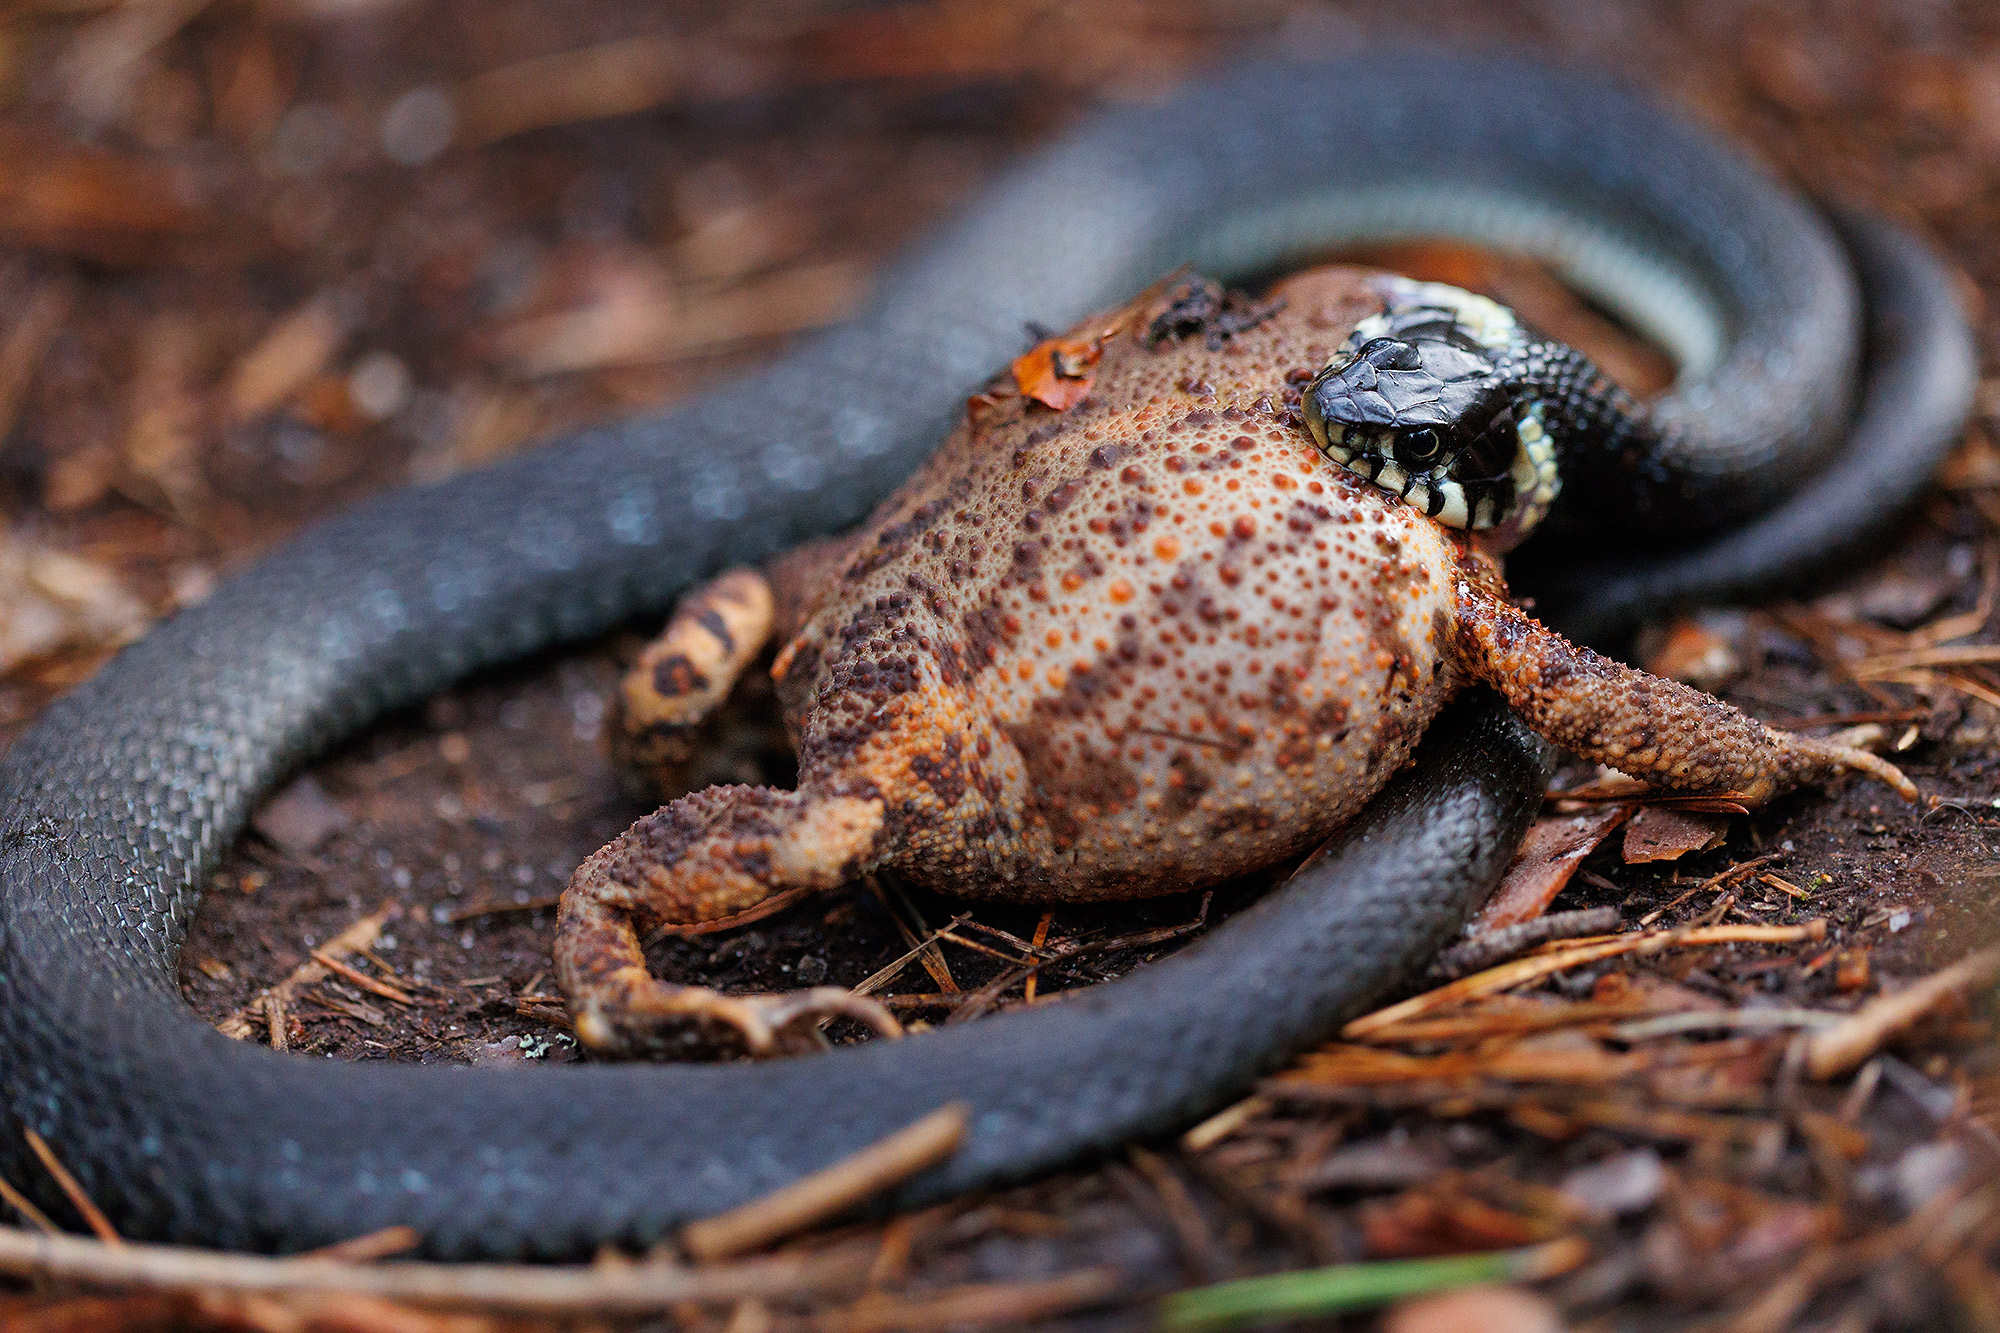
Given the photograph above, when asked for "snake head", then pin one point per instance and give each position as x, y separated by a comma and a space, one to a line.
1417, 402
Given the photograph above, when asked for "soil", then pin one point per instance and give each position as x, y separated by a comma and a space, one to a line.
261, 183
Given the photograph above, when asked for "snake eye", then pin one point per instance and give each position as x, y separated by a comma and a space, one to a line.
1390, 354
1418, 449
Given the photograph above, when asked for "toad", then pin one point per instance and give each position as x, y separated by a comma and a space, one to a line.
1171, 604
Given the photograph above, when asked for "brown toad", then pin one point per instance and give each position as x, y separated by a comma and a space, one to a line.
1138, 644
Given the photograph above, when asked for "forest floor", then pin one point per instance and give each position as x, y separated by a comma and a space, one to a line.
258, 260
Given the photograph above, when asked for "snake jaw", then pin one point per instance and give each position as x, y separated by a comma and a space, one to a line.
1428, 376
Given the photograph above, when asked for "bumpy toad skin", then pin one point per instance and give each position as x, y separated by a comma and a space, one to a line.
1138, 646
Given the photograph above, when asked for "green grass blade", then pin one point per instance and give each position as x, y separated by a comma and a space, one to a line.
1321, 1291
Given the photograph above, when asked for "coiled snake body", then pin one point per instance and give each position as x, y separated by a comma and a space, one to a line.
115, 807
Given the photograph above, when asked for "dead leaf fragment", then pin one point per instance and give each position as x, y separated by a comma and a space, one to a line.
300, 818
1696, 655
1549, 855
58, 198
1476, 1310
50, 599
1663, 833
1446, 1216
1059, 372
296, 350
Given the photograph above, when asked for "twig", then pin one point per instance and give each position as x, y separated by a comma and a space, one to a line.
1021, 1303
1224, 1123
373, 1245
1485, 1022
1674, 1025
1041, 938
928, 951
1012, 960
93, 1216
527, 1288
1524, 970
1482, 951
474, 911
275, 1021
361, 979
23, 1205
360, 935
827, 1193
1729, 876
978, 1002
884, 975
1838, 1049
1184, 1215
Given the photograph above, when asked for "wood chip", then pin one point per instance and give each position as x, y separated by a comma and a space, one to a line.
29, 332
569, 87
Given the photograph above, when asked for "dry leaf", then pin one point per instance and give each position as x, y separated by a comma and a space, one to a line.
1549, 855
1662, 833
58, 198
50, 599
1059, 372
1476, 1310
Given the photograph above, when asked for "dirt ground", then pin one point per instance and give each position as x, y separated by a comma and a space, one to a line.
259, 259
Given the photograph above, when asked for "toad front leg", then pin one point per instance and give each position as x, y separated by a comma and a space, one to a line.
721, 856
1668, 733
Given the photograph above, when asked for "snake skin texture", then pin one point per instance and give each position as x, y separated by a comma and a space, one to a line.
115, 807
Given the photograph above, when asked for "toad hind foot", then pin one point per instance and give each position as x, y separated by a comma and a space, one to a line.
1668, 733
716, 855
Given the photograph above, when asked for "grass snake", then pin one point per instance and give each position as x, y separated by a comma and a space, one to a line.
117, 804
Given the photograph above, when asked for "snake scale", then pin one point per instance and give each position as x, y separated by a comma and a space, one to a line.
115, 807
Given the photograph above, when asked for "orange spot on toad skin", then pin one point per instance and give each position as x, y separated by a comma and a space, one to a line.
1192, 486
1025, 669
1071, 582
1167, 548
1056, 677
1055, 638
1120, 591
1246, 528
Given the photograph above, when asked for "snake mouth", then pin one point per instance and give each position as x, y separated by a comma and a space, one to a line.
1419, 402
1466, 492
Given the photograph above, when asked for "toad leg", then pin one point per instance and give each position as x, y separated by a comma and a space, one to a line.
1674, 736
720, 855
682, 676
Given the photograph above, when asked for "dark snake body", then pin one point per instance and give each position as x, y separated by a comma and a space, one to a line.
115, 807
